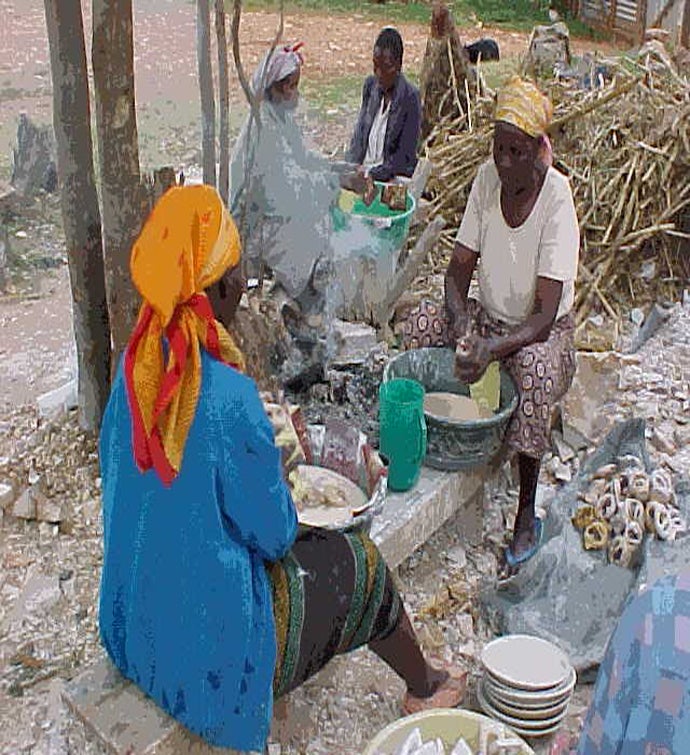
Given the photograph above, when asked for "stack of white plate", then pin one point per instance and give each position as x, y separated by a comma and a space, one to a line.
527, 684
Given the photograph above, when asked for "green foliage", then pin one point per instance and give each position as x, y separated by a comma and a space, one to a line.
520, 15
345, 90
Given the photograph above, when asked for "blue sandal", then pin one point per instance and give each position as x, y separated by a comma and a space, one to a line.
513, 560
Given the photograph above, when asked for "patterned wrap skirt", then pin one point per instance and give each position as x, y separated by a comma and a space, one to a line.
332, 593
641, 701
542, 372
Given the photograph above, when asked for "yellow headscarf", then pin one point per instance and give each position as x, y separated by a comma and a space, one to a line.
188, 241
521, 104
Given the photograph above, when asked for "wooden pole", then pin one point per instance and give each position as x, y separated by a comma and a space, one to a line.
223, 103
685, 26
122, 196
208, 102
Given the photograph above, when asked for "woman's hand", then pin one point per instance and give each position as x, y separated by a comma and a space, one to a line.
360, 183
472, 357
460, 326
369, 192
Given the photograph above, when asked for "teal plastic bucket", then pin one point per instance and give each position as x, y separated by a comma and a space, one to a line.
387, 229
402, 431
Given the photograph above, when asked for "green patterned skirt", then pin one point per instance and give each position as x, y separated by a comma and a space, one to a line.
331, 594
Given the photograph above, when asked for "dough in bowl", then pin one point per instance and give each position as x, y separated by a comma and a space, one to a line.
451, 406
324, 498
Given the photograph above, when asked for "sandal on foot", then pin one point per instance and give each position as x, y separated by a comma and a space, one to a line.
448, 695
513, 560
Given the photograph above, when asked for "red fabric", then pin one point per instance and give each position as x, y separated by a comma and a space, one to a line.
148, 449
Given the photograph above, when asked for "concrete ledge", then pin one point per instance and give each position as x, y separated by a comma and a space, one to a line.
409, 519
125, 721
128, 723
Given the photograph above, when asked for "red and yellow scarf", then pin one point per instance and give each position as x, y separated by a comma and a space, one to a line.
187, 243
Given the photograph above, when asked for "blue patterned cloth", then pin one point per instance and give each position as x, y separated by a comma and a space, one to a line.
641, 703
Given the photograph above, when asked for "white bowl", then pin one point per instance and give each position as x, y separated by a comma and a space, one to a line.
526, 663
528, 728
529, 698
525, 713
447, 724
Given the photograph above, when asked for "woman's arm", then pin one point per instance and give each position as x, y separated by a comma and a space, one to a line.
535, 328
457, 285
255, 500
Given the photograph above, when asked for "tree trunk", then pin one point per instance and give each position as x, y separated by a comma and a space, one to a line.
81, 217
118, 152
685, 26
223, 103
208, 103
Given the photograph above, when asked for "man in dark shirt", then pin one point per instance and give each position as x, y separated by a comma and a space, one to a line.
385, 139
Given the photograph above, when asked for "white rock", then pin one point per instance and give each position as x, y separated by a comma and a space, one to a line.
355, 342
462, 748
559, 470
662, 443
48, 510
465, 624
25, 506
412, 743
6, 495
39, 594
61, 399
458, 556
564, 451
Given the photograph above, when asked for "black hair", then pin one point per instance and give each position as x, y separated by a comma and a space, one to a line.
390, 39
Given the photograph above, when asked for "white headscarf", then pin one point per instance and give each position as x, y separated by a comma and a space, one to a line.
283, 62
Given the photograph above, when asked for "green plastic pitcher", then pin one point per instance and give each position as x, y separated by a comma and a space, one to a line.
402, 431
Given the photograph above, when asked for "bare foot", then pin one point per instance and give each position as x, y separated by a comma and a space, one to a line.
435, 677
524, 536
446, 689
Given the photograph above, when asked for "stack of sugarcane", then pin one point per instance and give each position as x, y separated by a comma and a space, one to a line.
447, 81
626, 149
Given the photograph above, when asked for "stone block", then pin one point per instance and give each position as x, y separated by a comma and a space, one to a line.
25, 506
355, 342
124, 719
60, 399
409, 519
6, 495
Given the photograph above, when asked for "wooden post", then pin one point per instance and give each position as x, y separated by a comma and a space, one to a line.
642, 18
81, 218
118, 154
685, 26
208, 102
223, 103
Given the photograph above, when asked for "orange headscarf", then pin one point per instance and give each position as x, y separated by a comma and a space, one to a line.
188, 241
521, 104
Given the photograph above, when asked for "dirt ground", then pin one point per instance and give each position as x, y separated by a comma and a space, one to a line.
165, 62
57, 638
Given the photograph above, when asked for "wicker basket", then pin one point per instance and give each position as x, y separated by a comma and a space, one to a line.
454, 445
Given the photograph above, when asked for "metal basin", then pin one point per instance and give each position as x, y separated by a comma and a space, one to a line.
376, 497
454, 445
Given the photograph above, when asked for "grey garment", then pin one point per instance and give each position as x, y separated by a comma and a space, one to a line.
291, 192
